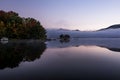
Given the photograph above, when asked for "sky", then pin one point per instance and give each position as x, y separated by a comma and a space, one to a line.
85, 15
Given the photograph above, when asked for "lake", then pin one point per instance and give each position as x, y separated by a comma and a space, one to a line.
77, 59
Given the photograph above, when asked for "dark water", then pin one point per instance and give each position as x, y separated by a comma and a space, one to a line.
78, 59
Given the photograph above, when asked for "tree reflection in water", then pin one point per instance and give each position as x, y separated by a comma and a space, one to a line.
64, 41
13, 53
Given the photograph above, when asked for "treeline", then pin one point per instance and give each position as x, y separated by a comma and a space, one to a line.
15, 27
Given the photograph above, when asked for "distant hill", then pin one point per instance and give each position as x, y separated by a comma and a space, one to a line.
116, 26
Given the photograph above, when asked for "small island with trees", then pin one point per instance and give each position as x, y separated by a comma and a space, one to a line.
64, 38
13, 26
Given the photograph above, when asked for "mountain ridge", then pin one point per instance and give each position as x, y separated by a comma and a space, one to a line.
116, 26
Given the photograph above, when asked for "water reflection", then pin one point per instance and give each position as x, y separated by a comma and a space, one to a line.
80, 63
13, 53
111, 48
64, 41
114, 49
108, 43
78, 59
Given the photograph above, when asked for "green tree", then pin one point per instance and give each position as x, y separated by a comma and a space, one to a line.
15, 27
64, 36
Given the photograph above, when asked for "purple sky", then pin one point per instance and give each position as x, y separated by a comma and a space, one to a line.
68, 14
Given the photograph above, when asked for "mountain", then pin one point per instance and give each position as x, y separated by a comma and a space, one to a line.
116, 26
109, 32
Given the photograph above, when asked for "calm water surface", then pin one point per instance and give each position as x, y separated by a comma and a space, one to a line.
78, 59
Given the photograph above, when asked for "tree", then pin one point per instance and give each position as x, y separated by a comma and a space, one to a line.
15, 27
64, 37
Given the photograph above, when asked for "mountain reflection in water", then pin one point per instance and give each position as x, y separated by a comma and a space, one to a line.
77, 59
112, 44
13, 53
